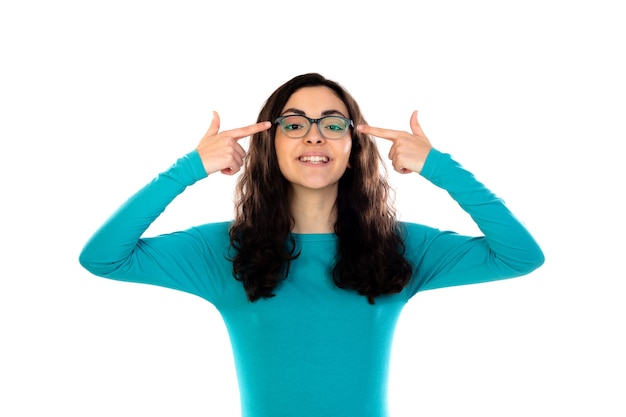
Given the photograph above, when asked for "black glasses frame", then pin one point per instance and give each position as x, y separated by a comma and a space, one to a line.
280, 119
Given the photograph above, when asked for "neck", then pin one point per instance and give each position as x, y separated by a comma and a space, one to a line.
313, 211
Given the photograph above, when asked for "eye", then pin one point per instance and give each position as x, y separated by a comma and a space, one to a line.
293, 126
334, 124
334, 127
294, 123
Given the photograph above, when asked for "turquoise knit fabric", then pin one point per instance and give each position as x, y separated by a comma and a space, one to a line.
312, 350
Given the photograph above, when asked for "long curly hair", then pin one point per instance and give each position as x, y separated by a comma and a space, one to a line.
370, 258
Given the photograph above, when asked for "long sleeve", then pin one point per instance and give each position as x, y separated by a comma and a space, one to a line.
179, 260
445, 259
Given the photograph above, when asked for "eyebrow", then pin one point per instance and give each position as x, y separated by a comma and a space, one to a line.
301, 112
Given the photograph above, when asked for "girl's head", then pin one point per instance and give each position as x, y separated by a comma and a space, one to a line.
262, 158
370, 249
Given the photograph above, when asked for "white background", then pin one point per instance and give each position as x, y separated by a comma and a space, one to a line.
96, 98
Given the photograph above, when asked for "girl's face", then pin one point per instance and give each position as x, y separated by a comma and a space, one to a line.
313, 162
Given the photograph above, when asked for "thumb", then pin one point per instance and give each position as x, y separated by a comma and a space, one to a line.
215, 125
415, 126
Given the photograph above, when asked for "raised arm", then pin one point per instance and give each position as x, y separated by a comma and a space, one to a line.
505, 250
117, 250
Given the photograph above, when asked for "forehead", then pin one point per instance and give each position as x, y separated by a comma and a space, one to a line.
315, 100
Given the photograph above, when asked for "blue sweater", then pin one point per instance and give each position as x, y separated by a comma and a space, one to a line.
312, 350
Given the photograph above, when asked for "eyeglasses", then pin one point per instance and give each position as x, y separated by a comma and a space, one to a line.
298, 126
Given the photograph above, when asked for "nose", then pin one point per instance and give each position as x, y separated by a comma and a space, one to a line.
314, 136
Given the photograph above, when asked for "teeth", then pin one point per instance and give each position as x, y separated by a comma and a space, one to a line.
314, 159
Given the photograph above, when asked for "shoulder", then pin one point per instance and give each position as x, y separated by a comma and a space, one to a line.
215, 227
412, 230
213, 232
417, 237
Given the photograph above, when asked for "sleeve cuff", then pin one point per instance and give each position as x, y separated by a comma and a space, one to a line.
196, 165
430, 165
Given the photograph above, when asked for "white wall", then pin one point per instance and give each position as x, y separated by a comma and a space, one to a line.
96, 99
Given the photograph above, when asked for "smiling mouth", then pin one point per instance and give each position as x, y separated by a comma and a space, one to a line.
314, 159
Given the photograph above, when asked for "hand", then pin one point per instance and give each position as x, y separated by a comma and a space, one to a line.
222, 151
409, 151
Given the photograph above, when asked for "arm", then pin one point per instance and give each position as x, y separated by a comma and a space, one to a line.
179, 260
118, 251
444, 258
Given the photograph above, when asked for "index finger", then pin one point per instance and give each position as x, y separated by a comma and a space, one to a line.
388, 134
243, 132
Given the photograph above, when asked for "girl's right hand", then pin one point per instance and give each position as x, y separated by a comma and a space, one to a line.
221, 151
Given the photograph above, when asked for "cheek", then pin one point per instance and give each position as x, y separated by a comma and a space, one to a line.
282, 151
279, 147
345, 150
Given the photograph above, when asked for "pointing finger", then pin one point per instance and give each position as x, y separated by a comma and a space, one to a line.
243, 132
388, 134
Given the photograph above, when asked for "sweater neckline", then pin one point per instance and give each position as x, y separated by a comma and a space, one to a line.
314, 237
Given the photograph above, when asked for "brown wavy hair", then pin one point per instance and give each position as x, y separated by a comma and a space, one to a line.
370, 258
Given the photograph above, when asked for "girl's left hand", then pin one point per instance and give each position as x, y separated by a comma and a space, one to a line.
409, 151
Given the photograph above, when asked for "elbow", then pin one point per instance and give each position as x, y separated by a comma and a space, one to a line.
530, 261
94, 265
536, 263
518, 263
540, 258
86, 261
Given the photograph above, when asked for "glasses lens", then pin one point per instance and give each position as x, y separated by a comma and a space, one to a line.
333, 127
295, 126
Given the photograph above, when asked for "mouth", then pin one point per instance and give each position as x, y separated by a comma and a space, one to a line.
314, 159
